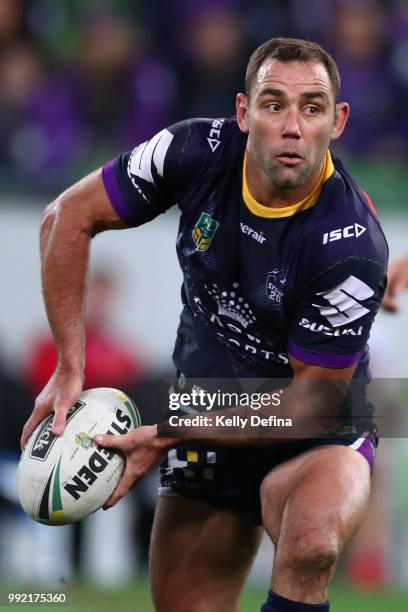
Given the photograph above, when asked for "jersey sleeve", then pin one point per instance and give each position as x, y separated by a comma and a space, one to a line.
143, 183
332, 320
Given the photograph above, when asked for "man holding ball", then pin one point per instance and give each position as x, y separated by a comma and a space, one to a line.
284, 266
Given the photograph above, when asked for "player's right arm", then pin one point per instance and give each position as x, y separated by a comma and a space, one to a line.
67, 227
130, 190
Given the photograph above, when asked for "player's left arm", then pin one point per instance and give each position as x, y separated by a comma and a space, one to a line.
397, 283
305, 401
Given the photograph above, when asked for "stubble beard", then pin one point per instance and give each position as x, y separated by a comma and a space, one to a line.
287, 178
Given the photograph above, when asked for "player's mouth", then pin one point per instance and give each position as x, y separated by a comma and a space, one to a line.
290, 158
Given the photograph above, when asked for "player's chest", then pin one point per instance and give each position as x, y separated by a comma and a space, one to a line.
222, 239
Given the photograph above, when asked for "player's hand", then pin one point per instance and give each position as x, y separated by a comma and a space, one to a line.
397, 282
59, 394
142, 449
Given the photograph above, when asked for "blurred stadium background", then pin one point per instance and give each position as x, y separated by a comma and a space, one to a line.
84, 80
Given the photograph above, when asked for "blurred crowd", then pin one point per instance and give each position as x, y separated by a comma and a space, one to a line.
83, 80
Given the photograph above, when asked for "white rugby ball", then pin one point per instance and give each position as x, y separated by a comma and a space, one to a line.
62, 479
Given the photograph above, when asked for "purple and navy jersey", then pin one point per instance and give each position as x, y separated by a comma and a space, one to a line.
260, 283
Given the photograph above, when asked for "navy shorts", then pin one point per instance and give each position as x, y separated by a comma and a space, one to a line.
230, 477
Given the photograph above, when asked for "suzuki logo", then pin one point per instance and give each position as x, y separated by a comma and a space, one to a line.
344, 301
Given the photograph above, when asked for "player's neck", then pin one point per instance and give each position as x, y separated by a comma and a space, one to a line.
272, 196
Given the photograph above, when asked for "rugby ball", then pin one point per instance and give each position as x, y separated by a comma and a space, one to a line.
62, 479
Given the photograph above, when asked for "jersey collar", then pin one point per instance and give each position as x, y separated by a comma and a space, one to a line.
287, 211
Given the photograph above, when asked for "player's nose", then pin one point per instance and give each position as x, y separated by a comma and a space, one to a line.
291, 128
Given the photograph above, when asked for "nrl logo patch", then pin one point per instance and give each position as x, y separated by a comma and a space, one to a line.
203, 231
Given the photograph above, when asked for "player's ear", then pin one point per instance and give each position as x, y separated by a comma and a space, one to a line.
340, 119
242, 112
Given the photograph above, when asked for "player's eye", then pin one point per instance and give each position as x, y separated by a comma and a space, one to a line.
273, 107
311, 109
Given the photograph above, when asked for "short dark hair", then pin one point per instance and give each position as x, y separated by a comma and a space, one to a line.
291, 50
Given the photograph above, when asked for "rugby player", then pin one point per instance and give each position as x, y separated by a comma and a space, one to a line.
284, 266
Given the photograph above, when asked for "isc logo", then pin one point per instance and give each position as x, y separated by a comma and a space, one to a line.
350, 231
214, 138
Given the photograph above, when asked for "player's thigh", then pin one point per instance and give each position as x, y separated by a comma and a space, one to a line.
326, 488
200, 556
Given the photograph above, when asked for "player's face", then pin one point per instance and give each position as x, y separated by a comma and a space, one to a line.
290, 118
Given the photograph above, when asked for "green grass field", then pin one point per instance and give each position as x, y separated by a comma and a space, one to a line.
137, 599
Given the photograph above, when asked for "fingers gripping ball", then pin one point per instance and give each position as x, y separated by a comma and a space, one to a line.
64, 479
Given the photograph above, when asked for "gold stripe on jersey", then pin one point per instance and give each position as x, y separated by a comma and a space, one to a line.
287, 211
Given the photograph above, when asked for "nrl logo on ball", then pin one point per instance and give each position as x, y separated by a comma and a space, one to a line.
84, 440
